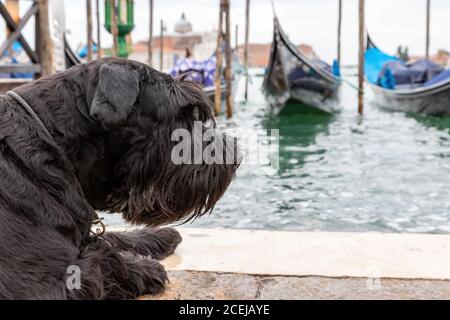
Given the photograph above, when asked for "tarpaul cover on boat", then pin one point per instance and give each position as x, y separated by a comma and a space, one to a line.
392, 73
322, 65
336, 69
443, 76
201, 72
84, 51
301, 72
397, 73
375, 59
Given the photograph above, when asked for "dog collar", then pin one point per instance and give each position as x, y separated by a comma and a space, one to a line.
27, 107
98, 228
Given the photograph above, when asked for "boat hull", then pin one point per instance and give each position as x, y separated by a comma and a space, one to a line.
433, 101
325, 102
291, 76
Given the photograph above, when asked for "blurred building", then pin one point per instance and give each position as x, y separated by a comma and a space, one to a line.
179, 43
259, 54
183, 41
442, 57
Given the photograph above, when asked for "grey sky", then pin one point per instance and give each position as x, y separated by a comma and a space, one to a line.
391, 22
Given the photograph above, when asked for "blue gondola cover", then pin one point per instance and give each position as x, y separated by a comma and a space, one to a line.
375, 59
336, 69
392, 73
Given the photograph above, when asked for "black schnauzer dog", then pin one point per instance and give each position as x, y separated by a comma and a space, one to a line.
103, 143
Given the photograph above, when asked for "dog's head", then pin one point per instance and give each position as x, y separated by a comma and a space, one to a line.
163, 161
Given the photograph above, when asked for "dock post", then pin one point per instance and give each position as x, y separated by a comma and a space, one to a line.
362, 49
247, 35
339, 33
45, 45
228, 60
13, 8
90, 41
150, 37
161, 46
224, 38
219, 62
427, 44
114, 29
99, 30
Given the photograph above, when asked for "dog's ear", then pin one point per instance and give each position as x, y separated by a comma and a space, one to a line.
115, 95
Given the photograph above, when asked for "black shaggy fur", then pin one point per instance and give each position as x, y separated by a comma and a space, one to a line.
111, 123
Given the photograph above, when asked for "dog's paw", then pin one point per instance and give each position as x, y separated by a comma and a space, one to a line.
168, 240
154, 277
154, 243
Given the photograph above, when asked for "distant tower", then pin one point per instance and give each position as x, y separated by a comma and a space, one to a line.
183, 26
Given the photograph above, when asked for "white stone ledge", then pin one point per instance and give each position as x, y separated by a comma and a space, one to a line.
301, 254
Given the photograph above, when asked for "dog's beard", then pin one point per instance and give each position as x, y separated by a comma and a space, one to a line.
157, 191
191, 192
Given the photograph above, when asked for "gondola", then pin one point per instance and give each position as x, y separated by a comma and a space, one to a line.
292, 77
70, 57
203, 72
433, 99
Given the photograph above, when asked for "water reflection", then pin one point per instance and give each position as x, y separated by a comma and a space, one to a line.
432, 122
299, 127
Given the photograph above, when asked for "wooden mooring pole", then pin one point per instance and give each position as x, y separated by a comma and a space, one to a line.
114, 29
45, 44
247, 36
219, 62
228, 70
161, 47
224, 40
150, 36
13, 8
362, 49
427, 43
99, 30
339, 33
90, 40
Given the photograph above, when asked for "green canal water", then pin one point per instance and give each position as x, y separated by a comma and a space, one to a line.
382, 172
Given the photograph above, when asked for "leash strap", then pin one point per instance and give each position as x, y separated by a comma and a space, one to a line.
97, 226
